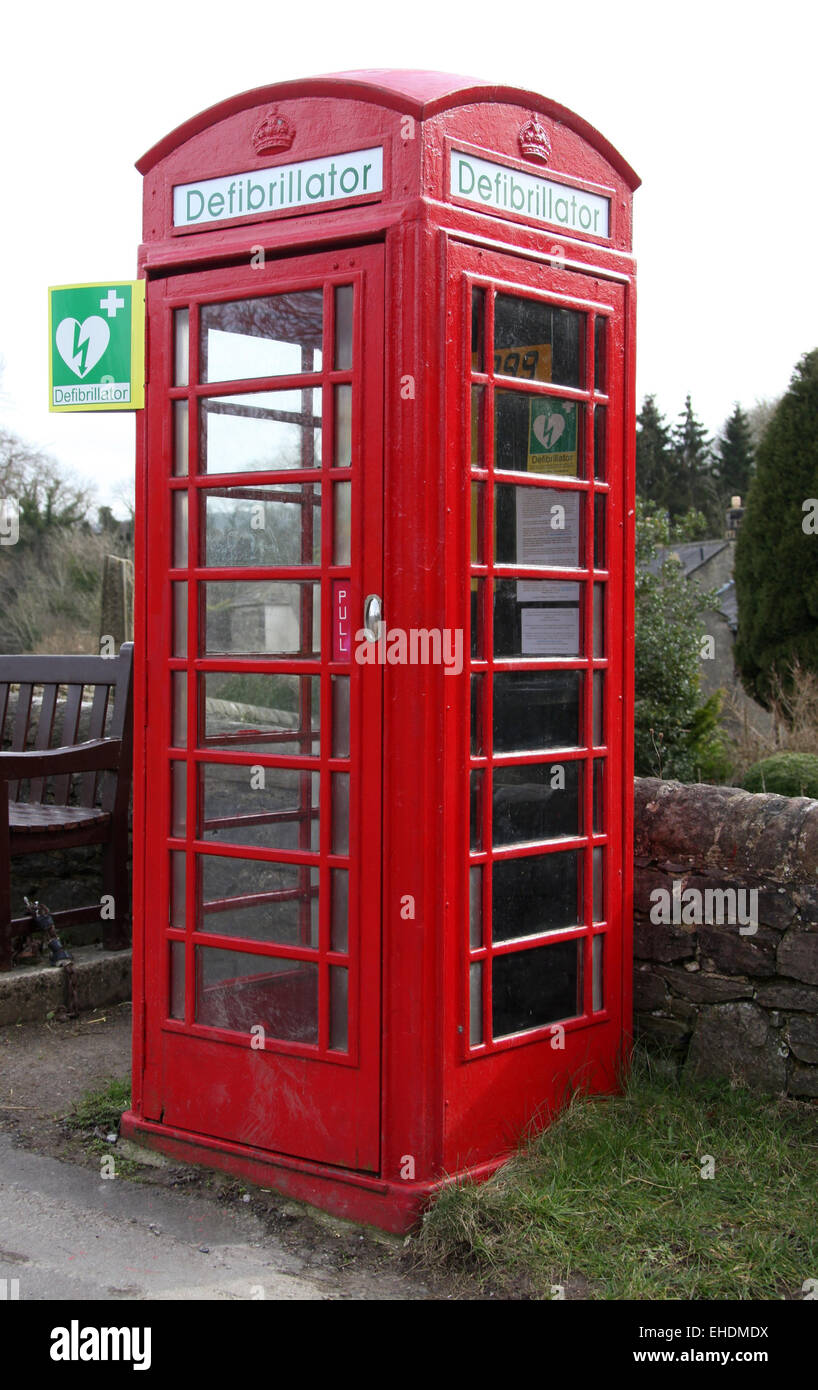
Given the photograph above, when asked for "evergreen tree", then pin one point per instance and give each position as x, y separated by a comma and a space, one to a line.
676, 729
735, 457
777, 547
697, 487
654, 454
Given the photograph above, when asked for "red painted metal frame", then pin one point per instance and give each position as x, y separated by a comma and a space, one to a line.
444, 1108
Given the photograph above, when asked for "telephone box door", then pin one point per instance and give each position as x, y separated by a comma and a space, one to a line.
263, 739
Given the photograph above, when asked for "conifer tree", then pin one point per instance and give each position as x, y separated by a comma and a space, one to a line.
697, 486
735, 457
654, 454
777, 547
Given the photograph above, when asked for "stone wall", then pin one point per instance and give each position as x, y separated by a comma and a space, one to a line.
730, 997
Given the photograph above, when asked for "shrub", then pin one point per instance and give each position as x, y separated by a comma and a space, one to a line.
788, 774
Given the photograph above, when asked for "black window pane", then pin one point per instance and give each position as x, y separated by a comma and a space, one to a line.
536, 894
478, 297
536, 709
536, 617
537, 341
532, 988
538, 801
600, 354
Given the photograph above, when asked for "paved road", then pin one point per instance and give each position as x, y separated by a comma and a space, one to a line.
67, 1234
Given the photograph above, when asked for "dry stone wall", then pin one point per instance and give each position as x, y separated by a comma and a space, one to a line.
726, 932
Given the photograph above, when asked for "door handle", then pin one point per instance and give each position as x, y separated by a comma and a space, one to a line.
373, 617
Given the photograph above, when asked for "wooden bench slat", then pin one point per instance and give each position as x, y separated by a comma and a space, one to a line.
45, 728
99, 707
70, 728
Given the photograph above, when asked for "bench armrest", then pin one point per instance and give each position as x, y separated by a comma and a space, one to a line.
93, 756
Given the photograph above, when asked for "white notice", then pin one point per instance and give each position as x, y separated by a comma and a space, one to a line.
550, 631
547, 534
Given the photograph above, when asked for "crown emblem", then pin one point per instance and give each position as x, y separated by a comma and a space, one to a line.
273, 132
534, 141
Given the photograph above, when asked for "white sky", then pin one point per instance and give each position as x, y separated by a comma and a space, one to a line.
713, 104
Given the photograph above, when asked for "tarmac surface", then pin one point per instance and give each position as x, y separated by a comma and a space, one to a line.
166, 1232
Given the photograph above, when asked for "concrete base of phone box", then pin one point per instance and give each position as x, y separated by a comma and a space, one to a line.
372, 1201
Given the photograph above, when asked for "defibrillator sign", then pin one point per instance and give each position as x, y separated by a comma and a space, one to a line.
96, 346
552, 436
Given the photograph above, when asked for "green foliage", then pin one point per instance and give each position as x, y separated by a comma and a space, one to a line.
677, 733
736, 457
788, 774
675, 467
776, 568
101, 1108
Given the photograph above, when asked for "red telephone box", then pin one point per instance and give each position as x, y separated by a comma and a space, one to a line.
384, 634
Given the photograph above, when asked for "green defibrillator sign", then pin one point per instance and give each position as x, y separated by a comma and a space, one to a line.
552, 436
96, 346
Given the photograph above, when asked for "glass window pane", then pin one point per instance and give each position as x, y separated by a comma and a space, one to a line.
338, 1008
178, 799
600, 353
598, 973
176, 1007
538, 341
599, 620
253, 618
343, 426
179, 638
477, 404
179, 505
475, 907
540, 893
340, 813
599, 685
532, 988
180, 438
271, 807
478, 525
339, 926
256, 525
536, 709
476, 1003
178, 730
273, 713
276, 903
478, 301
343, 327
278, 335
601, 442
537, 526
599, 884
238, 991
537, 434
476, 797
477, 735
599, 773
264, 431
478, 590
181, 347
177, 888
536, 801
599, 531
340, 716
536, 617
341, 523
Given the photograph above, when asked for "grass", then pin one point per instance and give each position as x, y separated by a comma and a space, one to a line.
101, 1109
609, 1202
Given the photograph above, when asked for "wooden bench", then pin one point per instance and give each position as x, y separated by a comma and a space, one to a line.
76, 793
